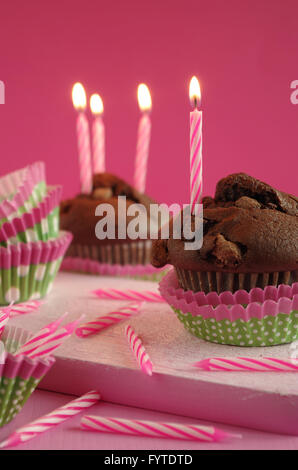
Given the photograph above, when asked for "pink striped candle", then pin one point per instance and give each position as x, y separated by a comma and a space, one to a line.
248, 364
54, 341
196, 117
45, 332
4, 317
105, 321
49, 421
143, 140
47, 344
133, 427
79, 102
24, 307
129, 294
138, 350
98, 134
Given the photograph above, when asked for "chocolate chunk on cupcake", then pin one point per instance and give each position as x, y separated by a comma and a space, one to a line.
250, 240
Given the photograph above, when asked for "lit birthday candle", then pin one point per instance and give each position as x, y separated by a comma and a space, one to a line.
144, 132
98, 134
195, 144
79, 102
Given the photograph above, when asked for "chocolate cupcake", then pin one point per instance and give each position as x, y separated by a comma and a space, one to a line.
250, 240
118, 256
241, 287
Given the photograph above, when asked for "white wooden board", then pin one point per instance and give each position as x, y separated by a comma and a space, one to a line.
266, 401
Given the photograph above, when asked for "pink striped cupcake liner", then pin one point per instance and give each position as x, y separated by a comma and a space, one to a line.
27, 270
41, 223
260, 317
118, 259
21, 190
19, 375
84, 265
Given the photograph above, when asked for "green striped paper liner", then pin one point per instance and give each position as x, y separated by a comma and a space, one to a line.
34, 199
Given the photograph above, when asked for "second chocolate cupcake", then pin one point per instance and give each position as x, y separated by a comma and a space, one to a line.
118, 256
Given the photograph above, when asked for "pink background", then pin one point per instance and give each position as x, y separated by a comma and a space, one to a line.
244, 53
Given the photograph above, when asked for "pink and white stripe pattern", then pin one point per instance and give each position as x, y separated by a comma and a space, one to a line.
47, 422
105, 321
46, 345
4, 317
142, 428
142, 153
45, 332
98, 143
84, 153
195, 158
248, 364
24, 307
138, 350
129, 294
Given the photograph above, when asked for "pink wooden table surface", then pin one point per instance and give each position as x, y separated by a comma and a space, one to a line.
69, 436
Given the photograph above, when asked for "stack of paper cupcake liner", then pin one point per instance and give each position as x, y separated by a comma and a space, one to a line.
259, 317
21, 190
118, 259
19, 375
41, 223
31, 246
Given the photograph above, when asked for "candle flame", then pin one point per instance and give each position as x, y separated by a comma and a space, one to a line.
96, 104
144, 97
79, 96
194, 91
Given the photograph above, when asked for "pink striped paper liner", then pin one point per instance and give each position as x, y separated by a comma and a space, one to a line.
28, 220
25, 254
142, 428
13, 337
25, 367
50, 420
25, 269
139, 350
105, 321
19, 377
17, 187
259, 302
105, 269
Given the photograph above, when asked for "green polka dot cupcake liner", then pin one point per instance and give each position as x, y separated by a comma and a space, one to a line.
21, 191
260, 317
19, 377
27, 270
40, 224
